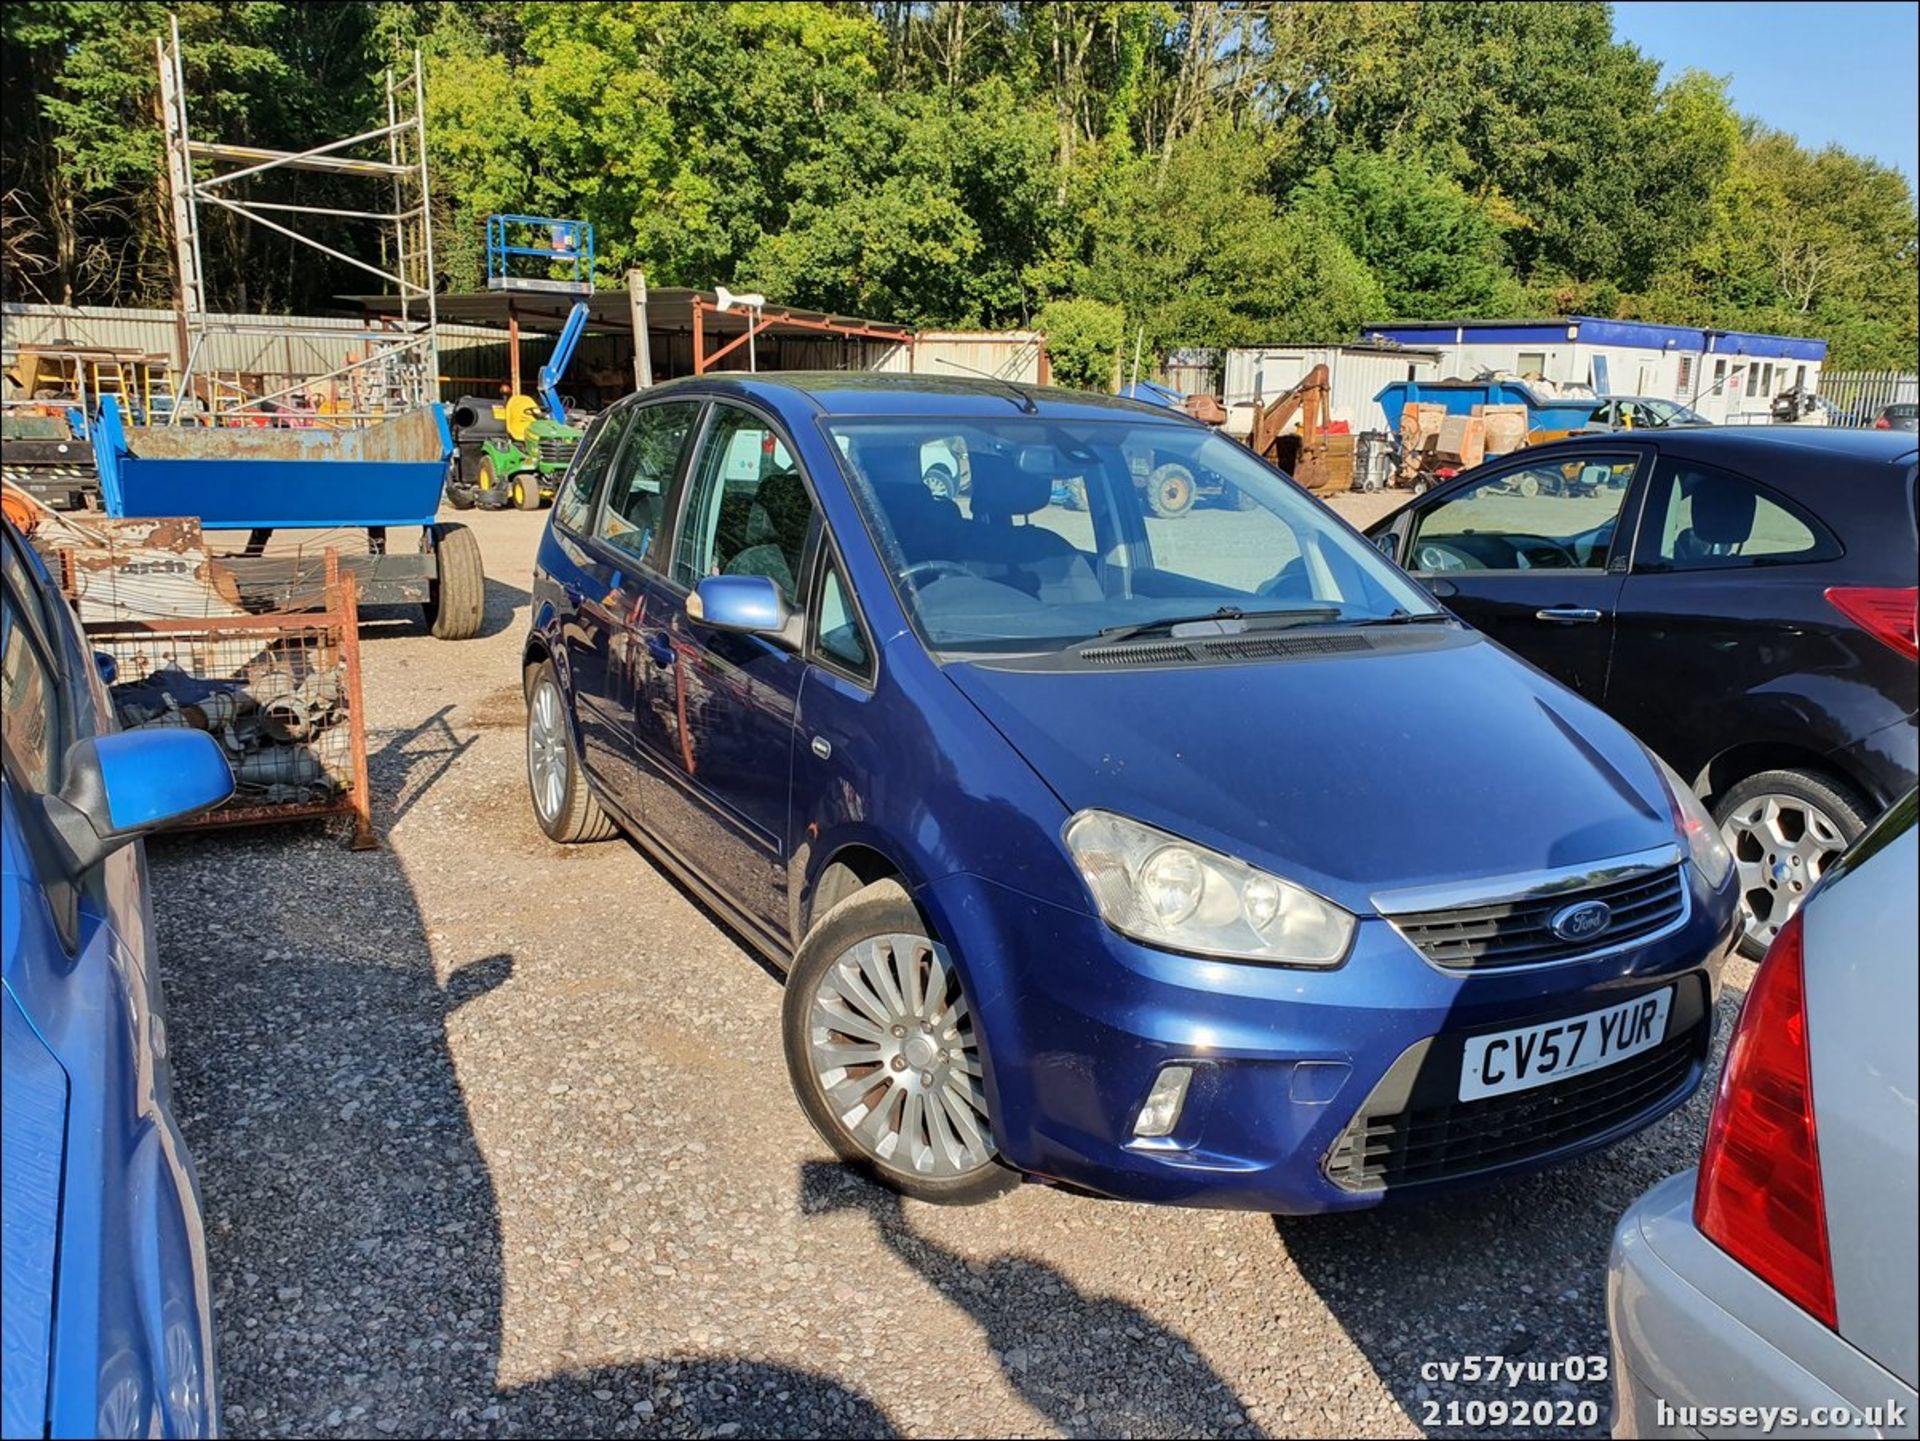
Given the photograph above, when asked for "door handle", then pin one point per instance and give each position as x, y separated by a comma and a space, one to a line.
660, 648
573, 593
1570, 614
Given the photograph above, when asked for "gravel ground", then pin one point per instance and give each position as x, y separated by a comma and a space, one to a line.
495, 1139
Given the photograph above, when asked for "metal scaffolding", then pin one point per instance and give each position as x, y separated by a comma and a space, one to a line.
401, 367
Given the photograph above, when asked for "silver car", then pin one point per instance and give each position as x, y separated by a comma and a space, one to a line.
1778, 1280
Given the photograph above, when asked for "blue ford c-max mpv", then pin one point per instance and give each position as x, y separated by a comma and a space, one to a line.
1189, 857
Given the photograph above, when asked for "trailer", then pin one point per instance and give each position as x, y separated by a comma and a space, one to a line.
259, 480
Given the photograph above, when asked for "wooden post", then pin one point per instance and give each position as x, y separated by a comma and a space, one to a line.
346, 602
513, 348
699, 336
642, 337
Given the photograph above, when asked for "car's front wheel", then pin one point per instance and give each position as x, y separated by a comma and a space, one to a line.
562, 801
1784, 829
883, 1053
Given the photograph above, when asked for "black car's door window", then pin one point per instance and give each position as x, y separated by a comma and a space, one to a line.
642, 474
1560, 515
1700, 517
573, 502
747, 510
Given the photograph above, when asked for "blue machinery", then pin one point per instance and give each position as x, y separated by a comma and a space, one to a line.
539, 252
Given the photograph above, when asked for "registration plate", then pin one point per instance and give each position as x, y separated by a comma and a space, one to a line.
1532, 1056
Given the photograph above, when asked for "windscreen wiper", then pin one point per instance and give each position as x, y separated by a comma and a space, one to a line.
1403, 617
1301, 615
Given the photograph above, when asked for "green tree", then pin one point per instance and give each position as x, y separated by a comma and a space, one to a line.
1083, 341
1197, 253
1432, 247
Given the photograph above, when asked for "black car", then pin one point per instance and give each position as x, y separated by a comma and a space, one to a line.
1901, 415
1742, 598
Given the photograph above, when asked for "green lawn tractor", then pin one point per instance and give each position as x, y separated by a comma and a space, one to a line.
521, 467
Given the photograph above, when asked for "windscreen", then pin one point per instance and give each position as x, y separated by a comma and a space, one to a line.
1029, 533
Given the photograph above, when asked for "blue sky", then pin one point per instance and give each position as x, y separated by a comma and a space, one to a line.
1840, 73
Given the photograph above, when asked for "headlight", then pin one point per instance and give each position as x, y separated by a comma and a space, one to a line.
1710, 854
1168, 892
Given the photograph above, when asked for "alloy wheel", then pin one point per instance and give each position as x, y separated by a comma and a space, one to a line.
547, 758
893, 1051
1781, 845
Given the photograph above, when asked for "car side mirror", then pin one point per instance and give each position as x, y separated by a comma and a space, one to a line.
1388, 544
120, 787
746, 605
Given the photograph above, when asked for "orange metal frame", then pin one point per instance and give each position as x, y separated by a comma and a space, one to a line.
766, 318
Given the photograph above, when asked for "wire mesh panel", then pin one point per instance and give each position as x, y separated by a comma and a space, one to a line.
280, 691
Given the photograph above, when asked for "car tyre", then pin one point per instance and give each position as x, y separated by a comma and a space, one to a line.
903, 1130
457, 594
939, 480
563, 803
1784, 828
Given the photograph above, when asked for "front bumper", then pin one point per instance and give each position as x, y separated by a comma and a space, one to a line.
1692, 1328
1076, 1021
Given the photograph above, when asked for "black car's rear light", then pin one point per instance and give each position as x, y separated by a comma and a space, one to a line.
1885, 612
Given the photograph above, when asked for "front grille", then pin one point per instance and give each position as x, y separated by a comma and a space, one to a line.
558, 452
1517, 933
1443, 1142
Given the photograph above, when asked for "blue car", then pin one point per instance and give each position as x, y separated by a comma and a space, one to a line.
108, 1318
1202, 861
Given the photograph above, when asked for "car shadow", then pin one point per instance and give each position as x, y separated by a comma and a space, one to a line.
1144, 1378
353, 1229
1515, 1269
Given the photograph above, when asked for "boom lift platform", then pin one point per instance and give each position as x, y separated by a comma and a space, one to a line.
521, 468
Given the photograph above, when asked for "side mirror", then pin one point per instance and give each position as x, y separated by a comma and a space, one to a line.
746, 605
120, 787
1387, 543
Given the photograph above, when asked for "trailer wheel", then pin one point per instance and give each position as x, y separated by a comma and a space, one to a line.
1170, 490
525, 490
457, 595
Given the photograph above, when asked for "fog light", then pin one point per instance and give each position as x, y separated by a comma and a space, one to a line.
1162, 1111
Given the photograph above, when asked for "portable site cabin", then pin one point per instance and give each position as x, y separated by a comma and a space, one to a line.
1728, 376
1355, 375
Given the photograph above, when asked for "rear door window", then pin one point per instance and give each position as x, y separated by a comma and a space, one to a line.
643, 473
1700, 517
573, 503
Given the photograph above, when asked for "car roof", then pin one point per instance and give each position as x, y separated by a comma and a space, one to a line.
1763, 443
854, 392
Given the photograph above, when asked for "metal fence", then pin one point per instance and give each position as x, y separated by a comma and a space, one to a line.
1858, 396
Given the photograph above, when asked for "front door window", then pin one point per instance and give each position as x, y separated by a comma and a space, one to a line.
747, 509
1561, 514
